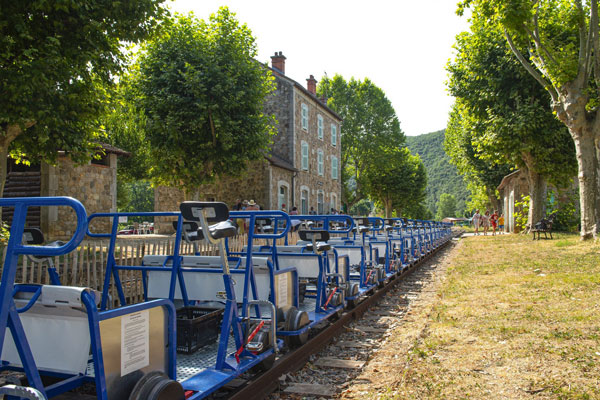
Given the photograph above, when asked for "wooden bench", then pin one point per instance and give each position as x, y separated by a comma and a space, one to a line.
544, 226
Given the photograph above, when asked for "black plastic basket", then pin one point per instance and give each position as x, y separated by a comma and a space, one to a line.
197, 327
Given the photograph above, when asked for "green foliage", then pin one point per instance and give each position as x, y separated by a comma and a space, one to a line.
369, 128
362, 207
396, 179
135, 197
124, 125
442, 177
4, 233
202, 93
521, 212
446, 207
506, 111
57, 65
564, 206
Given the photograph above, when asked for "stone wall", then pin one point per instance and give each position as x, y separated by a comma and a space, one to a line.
252, 184
92, 184
311, 179
280, 103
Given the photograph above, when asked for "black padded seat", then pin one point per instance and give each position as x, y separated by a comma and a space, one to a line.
221, 230
388, 228
362, 229
190, 228
321, 246
34, 236
308, 235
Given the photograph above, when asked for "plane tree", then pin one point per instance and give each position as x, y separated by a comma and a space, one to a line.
201, 92
508, 113
563, 39
58, 61
370, 127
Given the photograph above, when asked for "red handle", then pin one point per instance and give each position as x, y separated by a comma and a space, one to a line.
254, 332
329, 298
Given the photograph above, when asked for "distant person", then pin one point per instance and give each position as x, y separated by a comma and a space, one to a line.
476, 221
252, 206
295, 222
494, 222
312, 211
485, 222
501, 223
283, 208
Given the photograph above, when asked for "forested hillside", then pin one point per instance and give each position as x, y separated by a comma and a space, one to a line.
441, 175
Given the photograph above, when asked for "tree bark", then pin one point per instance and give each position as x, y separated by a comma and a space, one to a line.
388, 208
570, 109
588, 183
538, 187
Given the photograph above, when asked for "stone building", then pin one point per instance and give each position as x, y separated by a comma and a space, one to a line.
302, 168
94, 184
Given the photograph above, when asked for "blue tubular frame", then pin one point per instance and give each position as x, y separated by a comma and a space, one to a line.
9, 314
349, 223
9, 317
112, 269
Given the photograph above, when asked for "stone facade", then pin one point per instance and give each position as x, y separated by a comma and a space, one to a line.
324, 190
94, 184
282, 178
252, 184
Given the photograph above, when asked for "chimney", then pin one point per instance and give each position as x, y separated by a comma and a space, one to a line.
311, 85
278, 62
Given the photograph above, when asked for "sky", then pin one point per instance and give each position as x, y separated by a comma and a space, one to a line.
402, 46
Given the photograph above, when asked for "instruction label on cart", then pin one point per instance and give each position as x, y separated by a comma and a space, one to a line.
282, 290
135, 341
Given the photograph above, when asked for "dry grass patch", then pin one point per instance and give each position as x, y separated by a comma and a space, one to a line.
515, 319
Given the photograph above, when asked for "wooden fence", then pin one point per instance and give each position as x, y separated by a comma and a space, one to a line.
86, 266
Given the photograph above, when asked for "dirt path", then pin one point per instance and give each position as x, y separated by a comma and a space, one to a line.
401, 316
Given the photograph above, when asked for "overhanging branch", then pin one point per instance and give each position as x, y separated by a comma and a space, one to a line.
532, 71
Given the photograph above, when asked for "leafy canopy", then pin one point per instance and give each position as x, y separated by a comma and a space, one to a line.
509, 112
57, 64
202, 94
369, 126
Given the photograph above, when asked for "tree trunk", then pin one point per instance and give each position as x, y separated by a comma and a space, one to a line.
570, 110
538, 188
588, 181
387, 204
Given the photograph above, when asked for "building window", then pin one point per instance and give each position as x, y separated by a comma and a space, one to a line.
320, 126
304, 201
304, 155
282, 198
320, 162
334, 201
333, 135
304, 117
320, 200
334, 167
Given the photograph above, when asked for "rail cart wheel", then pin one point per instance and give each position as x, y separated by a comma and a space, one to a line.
266, 364
295, 320
380, 276
280, 318
351, 292
157, 386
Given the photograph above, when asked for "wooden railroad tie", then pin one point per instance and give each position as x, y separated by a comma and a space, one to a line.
330, 362
370, 329
311, 389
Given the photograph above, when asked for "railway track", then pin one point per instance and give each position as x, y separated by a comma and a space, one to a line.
260, 387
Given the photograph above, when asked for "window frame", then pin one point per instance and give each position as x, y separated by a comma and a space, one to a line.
320, 162
334, 135
320, 128
336, 169
304, 116
303, 157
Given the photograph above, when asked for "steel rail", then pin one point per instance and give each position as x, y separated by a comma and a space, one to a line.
262, 385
